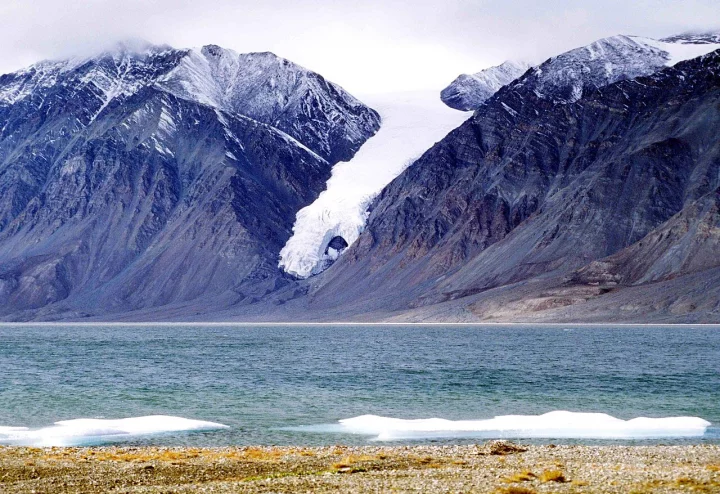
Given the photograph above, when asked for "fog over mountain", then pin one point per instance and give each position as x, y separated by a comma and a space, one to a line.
376, 46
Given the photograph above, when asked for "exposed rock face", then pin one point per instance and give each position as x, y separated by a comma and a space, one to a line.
469, 91
139, 179
530, 189
688, 242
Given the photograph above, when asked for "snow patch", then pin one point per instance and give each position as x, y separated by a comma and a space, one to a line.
552, 425
679, 51
87, 432
498, 76
509, 110
469, 91
166, 123
411, 123
72, 165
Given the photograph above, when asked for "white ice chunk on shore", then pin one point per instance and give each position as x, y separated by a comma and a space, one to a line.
411, 123
86, 432
552, 425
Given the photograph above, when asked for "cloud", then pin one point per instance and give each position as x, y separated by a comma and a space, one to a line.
366, 46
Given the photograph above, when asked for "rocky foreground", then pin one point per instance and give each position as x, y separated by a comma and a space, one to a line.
498, 467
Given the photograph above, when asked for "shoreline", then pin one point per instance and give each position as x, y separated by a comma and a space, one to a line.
302, 323
499, 467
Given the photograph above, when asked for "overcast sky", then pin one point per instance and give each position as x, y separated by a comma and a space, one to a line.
363, 45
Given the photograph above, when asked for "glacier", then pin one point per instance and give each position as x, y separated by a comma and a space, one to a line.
411, 123
681, 48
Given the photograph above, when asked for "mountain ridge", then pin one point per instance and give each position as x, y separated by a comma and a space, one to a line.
563, 78
119, 194
533, 224
469, 91
597, 205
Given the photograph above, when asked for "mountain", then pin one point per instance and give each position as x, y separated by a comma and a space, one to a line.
469, 91
706, 38
277, 92
504, 218
147, 176
688, 242
566, 77
148, 183
342, 210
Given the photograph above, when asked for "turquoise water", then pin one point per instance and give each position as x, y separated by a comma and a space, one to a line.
262, 381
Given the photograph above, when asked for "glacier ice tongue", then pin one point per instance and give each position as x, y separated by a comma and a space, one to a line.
411, 123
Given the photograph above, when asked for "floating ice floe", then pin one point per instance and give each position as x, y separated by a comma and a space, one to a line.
88, 432
552, 425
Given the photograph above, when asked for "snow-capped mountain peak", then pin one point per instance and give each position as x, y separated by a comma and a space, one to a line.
712, 37
267, 88
261, 86
469, 91
231, 81
119, 69
123, 163
566, 77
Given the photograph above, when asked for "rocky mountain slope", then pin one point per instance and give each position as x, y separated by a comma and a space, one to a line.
144, 177
469, 91
566, 77
519, 202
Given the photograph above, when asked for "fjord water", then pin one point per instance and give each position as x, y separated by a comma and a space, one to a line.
267, 383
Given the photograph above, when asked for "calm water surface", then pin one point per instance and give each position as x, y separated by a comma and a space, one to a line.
260, 379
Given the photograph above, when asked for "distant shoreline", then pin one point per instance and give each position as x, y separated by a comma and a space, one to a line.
495, 467
468, 324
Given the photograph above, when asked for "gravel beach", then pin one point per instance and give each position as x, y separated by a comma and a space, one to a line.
494, 467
